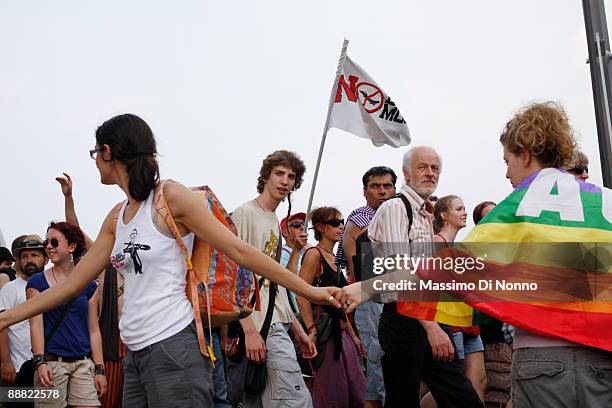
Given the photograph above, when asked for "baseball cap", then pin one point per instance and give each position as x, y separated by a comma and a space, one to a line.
32, 241
299, 215
5, 255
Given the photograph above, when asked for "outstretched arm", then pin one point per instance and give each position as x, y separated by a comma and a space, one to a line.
189, 211
86, 270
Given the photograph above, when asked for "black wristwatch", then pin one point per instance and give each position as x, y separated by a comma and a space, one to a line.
99, 369
38, 359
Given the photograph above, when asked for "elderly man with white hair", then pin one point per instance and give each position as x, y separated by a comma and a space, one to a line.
416, 350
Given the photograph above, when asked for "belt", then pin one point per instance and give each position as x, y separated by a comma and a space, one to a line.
53, 357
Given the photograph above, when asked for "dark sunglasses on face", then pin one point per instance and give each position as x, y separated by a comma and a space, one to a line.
296, 224
53, 241
94, 152
335, 223
579, 169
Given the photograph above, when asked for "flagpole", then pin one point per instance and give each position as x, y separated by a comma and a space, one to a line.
332, 97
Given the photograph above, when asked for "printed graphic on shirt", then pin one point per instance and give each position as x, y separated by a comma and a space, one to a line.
271, 245
133, 264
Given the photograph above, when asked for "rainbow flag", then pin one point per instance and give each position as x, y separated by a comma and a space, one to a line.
550, 206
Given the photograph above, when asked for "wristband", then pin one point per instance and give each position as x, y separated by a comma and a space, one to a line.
99, 369
38, 359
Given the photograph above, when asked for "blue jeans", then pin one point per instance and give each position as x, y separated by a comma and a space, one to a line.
218, 375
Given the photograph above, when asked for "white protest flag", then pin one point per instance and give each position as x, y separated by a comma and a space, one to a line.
360, 106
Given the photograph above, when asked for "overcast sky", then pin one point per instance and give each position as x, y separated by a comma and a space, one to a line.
222, 84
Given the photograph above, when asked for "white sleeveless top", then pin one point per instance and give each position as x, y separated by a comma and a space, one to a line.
155, 304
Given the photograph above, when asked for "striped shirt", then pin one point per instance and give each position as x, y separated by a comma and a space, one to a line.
361, 217
390, 226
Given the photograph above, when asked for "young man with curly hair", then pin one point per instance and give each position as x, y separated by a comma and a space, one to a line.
280, 174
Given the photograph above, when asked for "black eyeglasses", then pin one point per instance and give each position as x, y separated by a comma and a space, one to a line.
335, 222
296, 224
29, 244
94, 152
53, 241
579, 169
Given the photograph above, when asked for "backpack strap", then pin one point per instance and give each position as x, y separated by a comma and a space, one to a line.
408, 208
164, 211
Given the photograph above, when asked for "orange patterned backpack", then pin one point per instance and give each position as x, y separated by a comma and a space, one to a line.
217, 287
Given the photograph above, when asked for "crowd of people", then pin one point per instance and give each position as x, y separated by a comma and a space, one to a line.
115, 327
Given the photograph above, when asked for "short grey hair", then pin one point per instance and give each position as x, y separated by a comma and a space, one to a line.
407, 160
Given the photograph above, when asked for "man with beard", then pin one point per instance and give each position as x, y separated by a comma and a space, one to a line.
15, 346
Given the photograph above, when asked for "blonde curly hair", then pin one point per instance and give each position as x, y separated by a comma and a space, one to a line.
543, 130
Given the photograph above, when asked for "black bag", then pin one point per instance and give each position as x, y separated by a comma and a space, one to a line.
256, 374
244, 376
25, 375
363, 260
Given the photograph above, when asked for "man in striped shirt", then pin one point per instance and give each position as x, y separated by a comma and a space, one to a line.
416, 350
378, 186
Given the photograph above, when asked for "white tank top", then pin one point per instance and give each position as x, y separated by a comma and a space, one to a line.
155, 304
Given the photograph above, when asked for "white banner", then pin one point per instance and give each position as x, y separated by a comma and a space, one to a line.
362, 107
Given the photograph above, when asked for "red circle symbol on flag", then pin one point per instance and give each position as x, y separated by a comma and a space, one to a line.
370, 96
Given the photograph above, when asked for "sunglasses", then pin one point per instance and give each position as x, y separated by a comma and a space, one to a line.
29, 244
53, 241
335, 223
296, 224
579, 169
94, 152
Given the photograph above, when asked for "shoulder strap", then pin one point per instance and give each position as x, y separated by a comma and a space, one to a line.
164, 211
268, 320
319, 267
408, 208
58, 322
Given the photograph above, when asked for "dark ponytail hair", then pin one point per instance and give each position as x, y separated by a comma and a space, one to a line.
132, 143
73, 235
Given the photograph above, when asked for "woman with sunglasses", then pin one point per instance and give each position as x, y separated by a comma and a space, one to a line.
338, 377
579, 166
63, 338
163, 364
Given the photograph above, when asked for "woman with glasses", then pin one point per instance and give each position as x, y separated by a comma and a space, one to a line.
579, 166
64, 337
163, 365
338, 377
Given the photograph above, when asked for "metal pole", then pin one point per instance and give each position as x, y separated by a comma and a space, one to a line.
326, 127
599, 57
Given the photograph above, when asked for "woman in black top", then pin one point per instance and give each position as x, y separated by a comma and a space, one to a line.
339, 380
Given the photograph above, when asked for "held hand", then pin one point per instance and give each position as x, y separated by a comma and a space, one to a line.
329, 295
441, 345
353, 296
45, 375
101, 384
255, 347
307, 345
7, 372
66, 184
